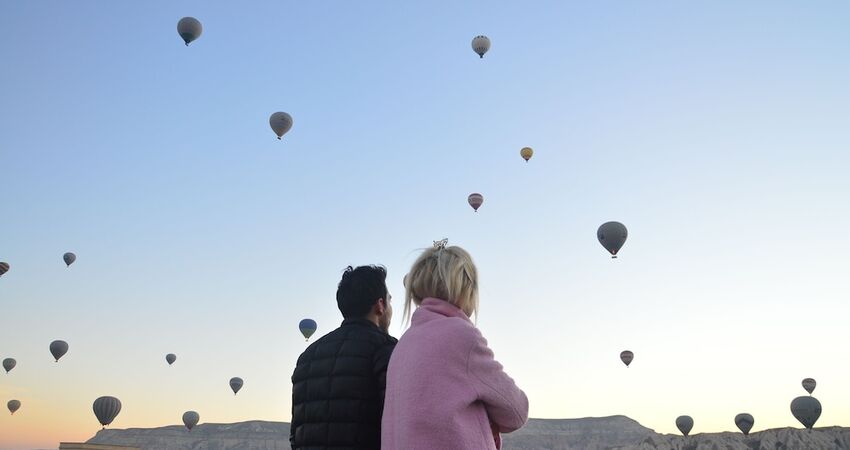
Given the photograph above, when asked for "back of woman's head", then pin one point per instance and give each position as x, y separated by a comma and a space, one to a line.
446, 273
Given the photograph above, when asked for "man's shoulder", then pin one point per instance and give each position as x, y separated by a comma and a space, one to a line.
371, 335
343, 334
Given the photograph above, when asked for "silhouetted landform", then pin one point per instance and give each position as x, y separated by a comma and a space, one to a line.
602, 433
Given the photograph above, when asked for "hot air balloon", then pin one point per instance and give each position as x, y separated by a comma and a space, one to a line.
481, 44
806, 410
475, 200
626, 356
809, 385
189, 29
612, 236
69, 258
106, 409
9, 364
744, 422
236, 384
4, 267
190, 419
684, 424
13, 406
281, 123
58, 349
170, 358
526, 153
307, 327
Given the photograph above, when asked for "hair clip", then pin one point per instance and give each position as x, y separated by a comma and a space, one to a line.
440, 245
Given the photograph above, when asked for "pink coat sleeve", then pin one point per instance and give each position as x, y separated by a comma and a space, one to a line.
505, 402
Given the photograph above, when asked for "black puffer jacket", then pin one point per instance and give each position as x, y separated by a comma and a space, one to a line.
338, 389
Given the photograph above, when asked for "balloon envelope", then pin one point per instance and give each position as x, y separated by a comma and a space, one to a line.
281, 123
58, 349
189, 28
308, 327
526, 153
236, 384
807, 410
170, 358
9, 364
190, 419
626, 356
612, 236
4, 267
106, 409
744, 422
69, 258
475, 200
684, 424
480, 44
809, 385
13, 406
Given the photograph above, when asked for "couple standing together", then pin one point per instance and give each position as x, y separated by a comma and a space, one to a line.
439, 387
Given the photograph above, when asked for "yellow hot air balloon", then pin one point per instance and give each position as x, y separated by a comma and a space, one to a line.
526, 153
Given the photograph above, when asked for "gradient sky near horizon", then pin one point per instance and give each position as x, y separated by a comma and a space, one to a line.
716, 131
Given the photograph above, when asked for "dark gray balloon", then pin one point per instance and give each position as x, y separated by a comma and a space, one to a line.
9, 364
13, 406
807, 410
189, 28
684, 424
69, 258
281, 123
4, 267
58, 349
745, 423
809, 384
190, 419
236, 384
612, 236
106, 409
170, 358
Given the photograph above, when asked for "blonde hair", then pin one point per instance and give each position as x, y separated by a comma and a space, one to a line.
445, 273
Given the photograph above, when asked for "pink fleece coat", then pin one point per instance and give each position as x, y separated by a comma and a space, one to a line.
445, 390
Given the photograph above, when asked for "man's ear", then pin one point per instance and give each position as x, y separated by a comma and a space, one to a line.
380, 307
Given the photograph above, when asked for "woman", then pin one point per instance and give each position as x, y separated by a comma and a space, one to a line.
444, 389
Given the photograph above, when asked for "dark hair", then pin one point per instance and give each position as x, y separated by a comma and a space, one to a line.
359, 289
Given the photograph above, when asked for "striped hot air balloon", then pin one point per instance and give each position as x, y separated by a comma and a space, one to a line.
475, 200
106, 409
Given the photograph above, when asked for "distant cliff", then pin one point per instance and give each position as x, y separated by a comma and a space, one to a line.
603, 433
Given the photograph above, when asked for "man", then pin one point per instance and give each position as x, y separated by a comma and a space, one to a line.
339, 381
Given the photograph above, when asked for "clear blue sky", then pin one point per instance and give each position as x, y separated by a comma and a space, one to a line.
716, 131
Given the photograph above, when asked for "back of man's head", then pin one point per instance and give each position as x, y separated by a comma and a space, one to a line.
359, 289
